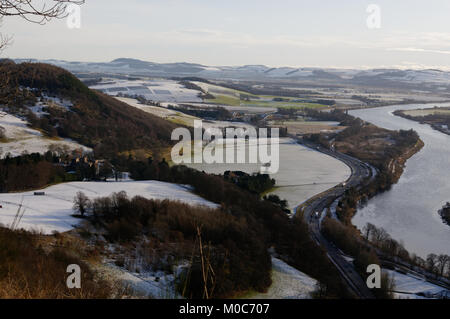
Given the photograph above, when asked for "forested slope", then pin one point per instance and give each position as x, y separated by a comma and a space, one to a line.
95, 120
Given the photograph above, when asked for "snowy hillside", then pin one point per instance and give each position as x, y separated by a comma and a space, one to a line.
19, 138
52, 212
412, 287
288, 283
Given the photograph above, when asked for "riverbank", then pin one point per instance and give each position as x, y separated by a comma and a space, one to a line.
437, 118
386, 151
398, 166
408, 210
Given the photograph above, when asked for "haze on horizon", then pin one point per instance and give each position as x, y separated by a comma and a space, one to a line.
413, 33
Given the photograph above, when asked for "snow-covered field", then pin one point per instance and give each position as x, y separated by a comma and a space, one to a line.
240, 108
287, 283
409, 286
211, 125
156, 285
154, 90
162, 112
216, 89
20, 138
157, 111
303, 172
52, 212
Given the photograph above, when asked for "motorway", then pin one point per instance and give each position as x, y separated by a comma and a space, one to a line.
360, 173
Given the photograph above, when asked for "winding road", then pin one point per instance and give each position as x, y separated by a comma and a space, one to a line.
361, 173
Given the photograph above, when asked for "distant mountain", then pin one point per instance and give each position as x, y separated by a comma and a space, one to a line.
377, 77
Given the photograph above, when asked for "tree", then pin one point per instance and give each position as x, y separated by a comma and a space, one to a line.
431, 262
105, 170
442, 261
379, 236
368, 230
81, 203
35, 11
387, 287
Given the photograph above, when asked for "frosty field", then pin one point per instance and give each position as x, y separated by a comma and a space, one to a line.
303, 172
53, 211
408, 286
20, 138
157, 90
162, 112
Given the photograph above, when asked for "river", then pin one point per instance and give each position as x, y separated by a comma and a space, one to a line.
409, 211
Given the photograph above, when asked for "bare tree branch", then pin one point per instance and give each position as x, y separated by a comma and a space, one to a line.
5, 41
36, 11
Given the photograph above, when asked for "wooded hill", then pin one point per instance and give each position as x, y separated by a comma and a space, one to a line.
95, 119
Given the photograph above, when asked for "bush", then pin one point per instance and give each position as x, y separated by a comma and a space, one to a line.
27, 271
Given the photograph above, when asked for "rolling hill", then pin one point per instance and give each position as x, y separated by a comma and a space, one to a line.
388, 77
89, 117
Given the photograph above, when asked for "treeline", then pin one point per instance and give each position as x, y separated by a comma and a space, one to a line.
438, 121
379, 237
34, 171
256, 183
267, 89
95, 120
29, 172
437, 117
334, 115
348, 240
367, 100
353, 197
192, 86
376, 243
215, 113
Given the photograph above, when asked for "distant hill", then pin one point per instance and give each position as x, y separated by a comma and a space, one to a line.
413, 79
94, 119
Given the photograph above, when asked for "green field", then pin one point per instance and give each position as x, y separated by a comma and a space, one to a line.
236, 101
232, 97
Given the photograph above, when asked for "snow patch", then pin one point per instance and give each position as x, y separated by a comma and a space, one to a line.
413, 287
288, 283
20, 138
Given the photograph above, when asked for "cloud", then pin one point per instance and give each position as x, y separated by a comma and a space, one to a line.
420, 50
209, 36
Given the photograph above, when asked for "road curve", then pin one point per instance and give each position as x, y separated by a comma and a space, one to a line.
360, 173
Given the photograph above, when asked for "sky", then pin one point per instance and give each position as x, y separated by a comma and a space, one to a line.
297, 33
